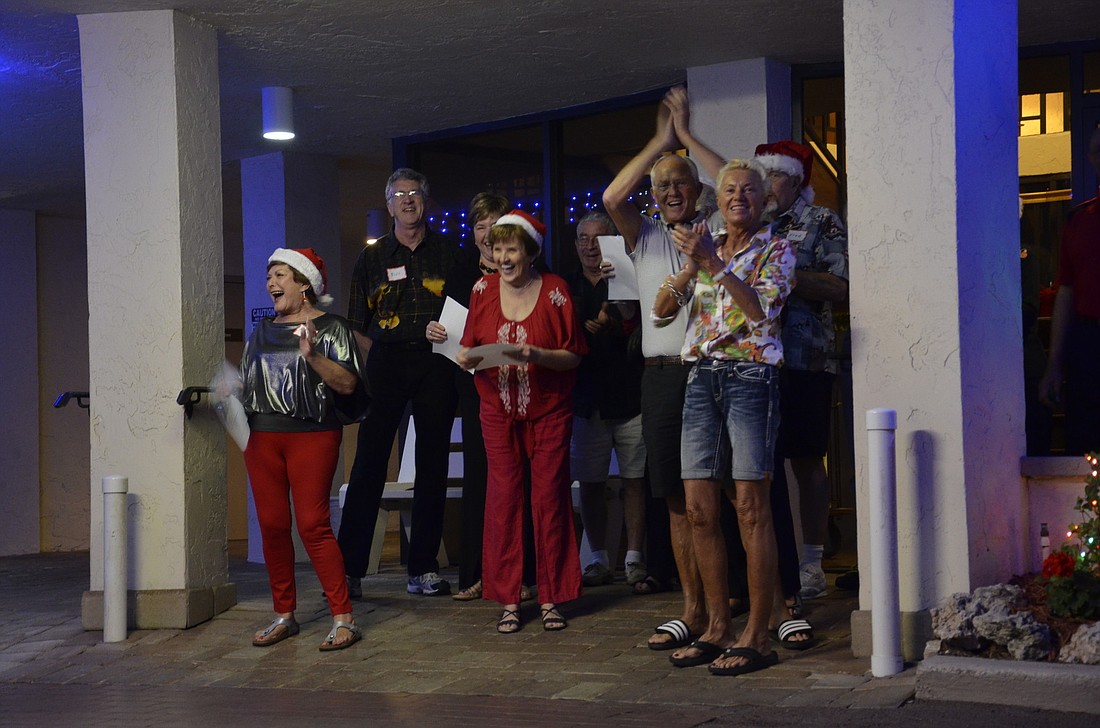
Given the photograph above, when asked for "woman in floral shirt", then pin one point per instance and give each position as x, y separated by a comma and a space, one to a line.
736, 287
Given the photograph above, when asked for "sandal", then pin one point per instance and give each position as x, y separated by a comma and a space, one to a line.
509, 622
331, 645
792, 628
649, 585
552, 621
468, 594
527, 593
272, 634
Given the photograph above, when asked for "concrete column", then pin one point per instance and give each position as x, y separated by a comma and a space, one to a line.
19, 397
156, 316
289, 201
739, 104
931, 120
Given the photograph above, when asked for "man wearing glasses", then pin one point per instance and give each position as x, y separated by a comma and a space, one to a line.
396, 289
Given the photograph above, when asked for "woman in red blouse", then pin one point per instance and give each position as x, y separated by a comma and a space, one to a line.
526, 417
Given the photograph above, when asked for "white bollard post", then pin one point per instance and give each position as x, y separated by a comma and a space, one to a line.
885, 607
115, 488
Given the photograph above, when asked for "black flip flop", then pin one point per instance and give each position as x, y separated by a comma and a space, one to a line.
708, 652
756, 661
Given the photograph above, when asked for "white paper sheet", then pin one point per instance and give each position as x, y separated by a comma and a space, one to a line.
453, 319
492, 355
624, 286
225, 388
231, 413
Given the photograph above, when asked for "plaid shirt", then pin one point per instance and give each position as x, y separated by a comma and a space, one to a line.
820, 243
395, 291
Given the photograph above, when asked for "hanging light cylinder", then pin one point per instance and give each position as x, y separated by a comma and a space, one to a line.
278, 104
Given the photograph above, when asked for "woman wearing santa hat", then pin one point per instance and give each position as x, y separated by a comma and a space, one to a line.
527, 418
302, 376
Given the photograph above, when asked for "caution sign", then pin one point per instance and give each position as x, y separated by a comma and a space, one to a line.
258, 314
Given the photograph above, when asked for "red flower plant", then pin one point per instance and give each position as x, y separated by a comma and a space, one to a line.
1058, 563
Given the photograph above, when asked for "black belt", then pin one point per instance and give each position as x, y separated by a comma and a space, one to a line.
1087, 320
664, 361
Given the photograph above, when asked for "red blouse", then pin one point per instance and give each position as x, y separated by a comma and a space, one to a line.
525, 391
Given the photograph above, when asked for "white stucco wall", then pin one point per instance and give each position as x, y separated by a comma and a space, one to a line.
153, 180
930, 119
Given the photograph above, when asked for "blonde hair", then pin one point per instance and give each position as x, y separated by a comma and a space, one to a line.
750, 165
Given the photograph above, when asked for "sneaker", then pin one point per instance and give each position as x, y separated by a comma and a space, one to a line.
355, 587
813, 582
635, 572
429, 585
596, 574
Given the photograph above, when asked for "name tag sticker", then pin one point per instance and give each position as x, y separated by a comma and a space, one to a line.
796, 236
396, 274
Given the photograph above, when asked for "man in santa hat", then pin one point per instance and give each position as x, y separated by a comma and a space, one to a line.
820, 241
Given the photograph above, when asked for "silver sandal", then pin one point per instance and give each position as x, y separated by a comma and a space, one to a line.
330, 644
266, 639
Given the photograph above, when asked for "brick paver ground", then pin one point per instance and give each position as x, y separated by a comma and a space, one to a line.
423, 659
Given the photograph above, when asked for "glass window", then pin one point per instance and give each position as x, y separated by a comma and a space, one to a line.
507, 162
823, 131
1092, 73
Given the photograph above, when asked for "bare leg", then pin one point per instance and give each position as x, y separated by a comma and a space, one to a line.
754, 517
813, 496
683, 550
702, 502
634, 513
594, 514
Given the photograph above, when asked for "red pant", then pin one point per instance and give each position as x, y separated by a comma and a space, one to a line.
285, 467
510, 446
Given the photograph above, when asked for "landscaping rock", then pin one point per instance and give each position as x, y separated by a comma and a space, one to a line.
991, 615
1084, 647
1019, 632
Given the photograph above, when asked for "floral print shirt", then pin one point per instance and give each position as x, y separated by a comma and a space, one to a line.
820, 243
719, 329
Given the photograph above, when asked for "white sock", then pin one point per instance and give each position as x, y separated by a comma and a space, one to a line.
634, 557
812, 553
601, 557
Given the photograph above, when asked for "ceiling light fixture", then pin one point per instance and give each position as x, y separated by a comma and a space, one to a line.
278, 102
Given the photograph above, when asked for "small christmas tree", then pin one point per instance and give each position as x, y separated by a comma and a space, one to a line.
1085, 535
1073, 572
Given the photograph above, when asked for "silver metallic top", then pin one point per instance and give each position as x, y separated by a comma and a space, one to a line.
282, 393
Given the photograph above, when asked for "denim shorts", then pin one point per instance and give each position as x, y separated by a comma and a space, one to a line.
731, 413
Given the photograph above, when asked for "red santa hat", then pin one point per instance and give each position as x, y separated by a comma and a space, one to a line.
789, 157
309, 264
530, 225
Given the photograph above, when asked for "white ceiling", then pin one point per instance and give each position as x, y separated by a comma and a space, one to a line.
365, 71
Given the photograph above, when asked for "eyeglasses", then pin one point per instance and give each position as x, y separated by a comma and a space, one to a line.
679, 184
399, 194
